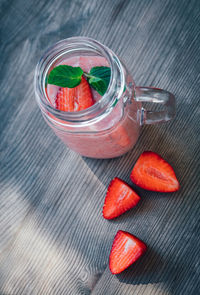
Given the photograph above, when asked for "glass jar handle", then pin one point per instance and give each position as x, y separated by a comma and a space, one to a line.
155, 96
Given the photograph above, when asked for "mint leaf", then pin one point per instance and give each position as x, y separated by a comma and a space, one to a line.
65, 76
98, 84
99, 78
68, 76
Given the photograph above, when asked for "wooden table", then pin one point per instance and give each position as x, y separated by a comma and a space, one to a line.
53, 239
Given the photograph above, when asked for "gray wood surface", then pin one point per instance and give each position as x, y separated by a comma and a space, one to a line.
53, 239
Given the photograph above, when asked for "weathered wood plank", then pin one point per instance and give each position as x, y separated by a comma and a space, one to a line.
53, 239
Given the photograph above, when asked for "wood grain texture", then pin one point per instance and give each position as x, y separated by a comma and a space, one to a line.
53, 239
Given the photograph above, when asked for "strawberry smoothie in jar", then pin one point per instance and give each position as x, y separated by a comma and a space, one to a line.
93, 118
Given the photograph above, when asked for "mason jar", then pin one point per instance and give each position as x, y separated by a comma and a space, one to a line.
111, 126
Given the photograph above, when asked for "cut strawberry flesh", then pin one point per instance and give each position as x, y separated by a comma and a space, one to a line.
152, 172
119, 198
126, 249
74, 99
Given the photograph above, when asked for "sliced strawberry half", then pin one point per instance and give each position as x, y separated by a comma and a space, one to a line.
119, 198
74, 99
153, 173
126, 249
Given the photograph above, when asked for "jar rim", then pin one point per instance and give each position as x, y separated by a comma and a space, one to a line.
101, 107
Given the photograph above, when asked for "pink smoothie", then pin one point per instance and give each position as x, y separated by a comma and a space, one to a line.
110, 137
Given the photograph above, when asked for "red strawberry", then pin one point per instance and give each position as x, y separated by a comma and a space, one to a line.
119, 198
74, 99
126, 249
153, 173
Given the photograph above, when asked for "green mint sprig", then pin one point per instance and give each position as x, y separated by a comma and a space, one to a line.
68, 76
